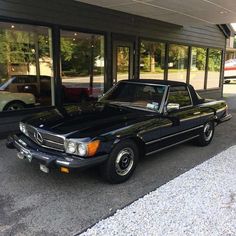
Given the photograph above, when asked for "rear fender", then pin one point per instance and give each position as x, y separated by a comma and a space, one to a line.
213, 117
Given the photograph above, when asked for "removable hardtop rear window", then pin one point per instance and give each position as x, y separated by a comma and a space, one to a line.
180, 95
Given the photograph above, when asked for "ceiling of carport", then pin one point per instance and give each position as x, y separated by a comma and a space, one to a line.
182, 12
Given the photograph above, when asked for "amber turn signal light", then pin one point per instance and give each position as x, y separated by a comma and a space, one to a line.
65, 170
92, 147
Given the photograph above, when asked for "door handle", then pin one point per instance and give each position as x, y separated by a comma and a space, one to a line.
197, 113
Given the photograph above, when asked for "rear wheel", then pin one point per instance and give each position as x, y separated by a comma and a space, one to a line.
121, 163
13, 106
206, 134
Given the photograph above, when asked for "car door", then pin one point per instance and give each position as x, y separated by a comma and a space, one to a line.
180, 124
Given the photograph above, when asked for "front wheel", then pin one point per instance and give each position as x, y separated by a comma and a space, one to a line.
206, 134
121, 163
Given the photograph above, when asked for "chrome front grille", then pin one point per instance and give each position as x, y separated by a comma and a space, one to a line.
45, 138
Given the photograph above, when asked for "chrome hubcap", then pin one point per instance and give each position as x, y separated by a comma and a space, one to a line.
208, 131
14, 107
124, 161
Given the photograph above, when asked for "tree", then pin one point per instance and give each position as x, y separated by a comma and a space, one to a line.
214, 60
77, 54
151, 55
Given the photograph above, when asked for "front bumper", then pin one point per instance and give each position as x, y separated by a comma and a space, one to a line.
225, 118
50, 159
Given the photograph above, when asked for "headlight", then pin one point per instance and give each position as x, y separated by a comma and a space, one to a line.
71, 147
82, 149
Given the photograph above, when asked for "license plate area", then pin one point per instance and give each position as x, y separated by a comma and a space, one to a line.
26, 154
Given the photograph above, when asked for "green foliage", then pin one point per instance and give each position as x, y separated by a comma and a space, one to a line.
152, 55
67, 49
44, 46
199, 58
19, 47
214, 60
123, 59
178, 55
77, 54
234, 42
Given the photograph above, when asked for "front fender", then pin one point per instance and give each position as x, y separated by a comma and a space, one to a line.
134, 137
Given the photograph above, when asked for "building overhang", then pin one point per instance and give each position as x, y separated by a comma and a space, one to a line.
181, 12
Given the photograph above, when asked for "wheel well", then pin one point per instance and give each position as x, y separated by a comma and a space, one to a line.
14, 101
213, 119
140, 144
138, 141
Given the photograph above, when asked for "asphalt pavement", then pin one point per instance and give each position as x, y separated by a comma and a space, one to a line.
34, 203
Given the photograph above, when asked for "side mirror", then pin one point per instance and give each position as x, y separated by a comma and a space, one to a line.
172, 107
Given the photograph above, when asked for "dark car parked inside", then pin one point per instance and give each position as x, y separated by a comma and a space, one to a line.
135, 118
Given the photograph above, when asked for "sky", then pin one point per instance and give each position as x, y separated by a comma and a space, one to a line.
234, 26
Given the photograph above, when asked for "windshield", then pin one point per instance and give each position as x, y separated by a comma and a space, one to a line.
136, 95
4, 85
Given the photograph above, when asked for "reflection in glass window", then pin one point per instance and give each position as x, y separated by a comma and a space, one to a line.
25, 66
82, 61
152, 59
123, 62
135, 95
214, 64
180, 95
197, 69
177, 62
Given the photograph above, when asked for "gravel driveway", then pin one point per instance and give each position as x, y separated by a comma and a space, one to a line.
202, 201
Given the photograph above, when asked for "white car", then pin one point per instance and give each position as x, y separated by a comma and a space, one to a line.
15, 101
230, 71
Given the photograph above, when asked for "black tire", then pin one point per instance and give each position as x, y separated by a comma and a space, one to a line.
14, 106
121, 163
206, 134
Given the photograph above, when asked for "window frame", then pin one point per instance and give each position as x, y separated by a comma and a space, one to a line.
50, 27
187, 89
205, 69
220, 72
188, 58
91, 67
166, 48
167, 44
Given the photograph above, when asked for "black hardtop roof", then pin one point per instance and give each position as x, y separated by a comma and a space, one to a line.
156, 81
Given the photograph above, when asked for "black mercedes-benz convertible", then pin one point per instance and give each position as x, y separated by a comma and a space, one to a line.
135, 118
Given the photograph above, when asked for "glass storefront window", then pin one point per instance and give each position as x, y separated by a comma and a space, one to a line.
82, 63
177, 62
214, 65
152, 59
197, 69
123, 62
25, 66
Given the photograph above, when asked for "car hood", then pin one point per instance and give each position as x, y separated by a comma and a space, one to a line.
88, 120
